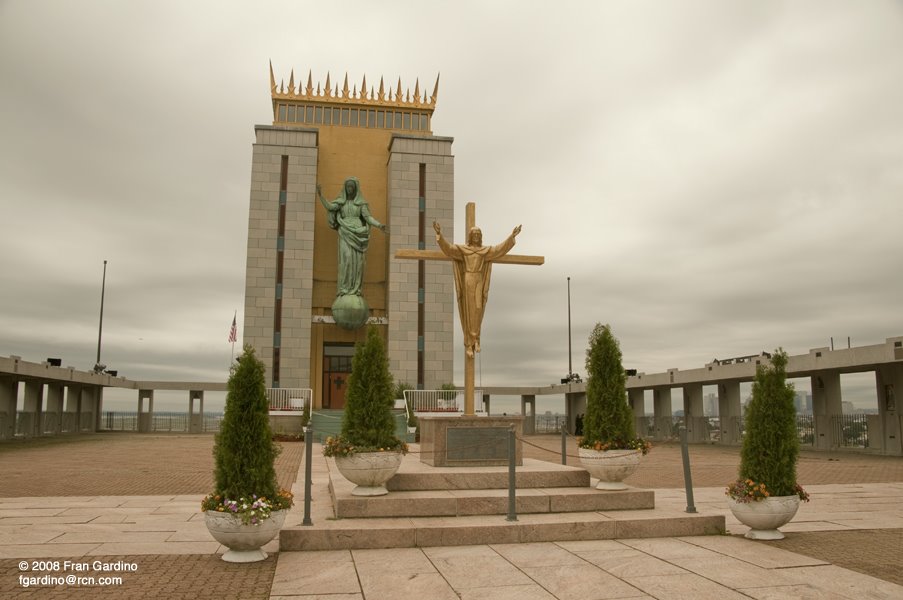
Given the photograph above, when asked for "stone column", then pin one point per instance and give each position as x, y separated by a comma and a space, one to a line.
574, 404
637, 399
9, 390
826, 404
529, 417
694, 413
91, 399
53, 416
32, 416
729, 411
72, 410
889, 384
195, 420
145, 417
662, 413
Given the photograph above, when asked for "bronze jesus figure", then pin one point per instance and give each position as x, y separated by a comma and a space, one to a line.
473, 267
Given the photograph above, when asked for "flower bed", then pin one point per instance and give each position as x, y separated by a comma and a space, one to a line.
252, 510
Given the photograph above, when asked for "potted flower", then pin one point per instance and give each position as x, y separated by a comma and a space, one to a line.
766, 495
367, 452
609, 448
246, 508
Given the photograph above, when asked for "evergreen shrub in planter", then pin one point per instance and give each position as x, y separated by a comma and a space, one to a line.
246, 508
609, 448
368, 426
766, 495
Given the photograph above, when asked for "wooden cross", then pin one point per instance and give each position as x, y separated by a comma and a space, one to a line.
513, 259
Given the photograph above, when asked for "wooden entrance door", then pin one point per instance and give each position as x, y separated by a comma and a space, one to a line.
336, 370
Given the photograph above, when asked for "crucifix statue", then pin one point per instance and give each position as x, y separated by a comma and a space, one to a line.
473, 265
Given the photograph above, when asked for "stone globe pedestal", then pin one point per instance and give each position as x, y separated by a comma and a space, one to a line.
350, 312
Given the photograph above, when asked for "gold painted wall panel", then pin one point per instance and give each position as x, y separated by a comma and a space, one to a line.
362, 153
346, 152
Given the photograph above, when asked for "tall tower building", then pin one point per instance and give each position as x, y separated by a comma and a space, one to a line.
323, 136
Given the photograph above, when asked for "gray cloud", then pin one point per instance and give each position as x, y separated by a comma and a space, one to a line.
718, 178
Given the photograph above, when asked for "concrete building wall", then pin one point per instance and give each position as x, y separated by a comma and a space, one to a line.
406, 154
300, 146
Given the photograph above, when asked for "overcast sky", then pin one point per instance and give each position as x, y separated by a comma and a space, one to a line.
717, 178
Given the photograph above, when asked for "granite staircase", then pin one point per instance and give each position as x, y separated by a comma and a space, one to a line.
449, 506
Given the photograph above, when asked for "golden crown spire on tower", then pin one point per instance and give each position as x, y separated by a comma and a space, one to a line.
385, 108
399, 97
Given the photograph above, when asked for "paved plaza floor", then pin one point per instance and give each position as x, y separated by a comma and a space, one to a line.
130, 502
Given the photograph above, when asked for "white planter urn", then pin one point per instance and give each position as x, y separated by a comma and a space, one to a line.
610, 467
244, 541
763, 517
369, 471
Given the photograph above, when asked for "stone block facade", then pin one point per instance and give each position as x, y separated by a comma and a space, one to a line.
406, 155
300, 146
306, 154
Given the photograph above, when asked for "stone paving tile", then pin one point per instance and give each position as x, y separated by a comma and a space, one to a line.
628, 563
670, 548
330, 572
682, 587
752, 552
411, 560
543, 554
732, 572
510, 592
797, 592
466, 567
581, 582
389, 584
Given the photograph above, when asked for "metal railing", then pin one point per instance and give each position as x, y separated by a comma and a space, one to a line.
289, 399
441, 401
161, 421
805, 429
550, 423
851, 431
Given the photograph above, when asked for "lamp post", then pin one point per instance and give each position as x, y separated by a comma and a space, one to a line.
98, 368
572, 377
570, 363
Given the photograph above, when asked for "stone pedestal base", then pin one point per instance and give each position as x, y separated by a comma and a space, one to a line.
463, 441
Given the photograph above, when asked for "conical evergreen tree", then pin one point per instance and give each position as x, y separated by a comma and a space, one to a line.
609, 418
368, 423
771, 445
244, 450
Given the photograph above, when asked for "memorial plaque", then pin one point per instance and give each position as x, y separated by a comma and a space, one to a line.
469, 441
476, 444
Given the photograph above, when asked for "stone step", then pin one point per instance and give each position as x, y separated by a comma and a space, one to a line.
564, 511
415, 476
458, 503
344, 534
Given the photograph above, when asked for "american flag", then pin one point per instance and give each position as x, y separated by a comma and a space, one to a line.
233, 332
